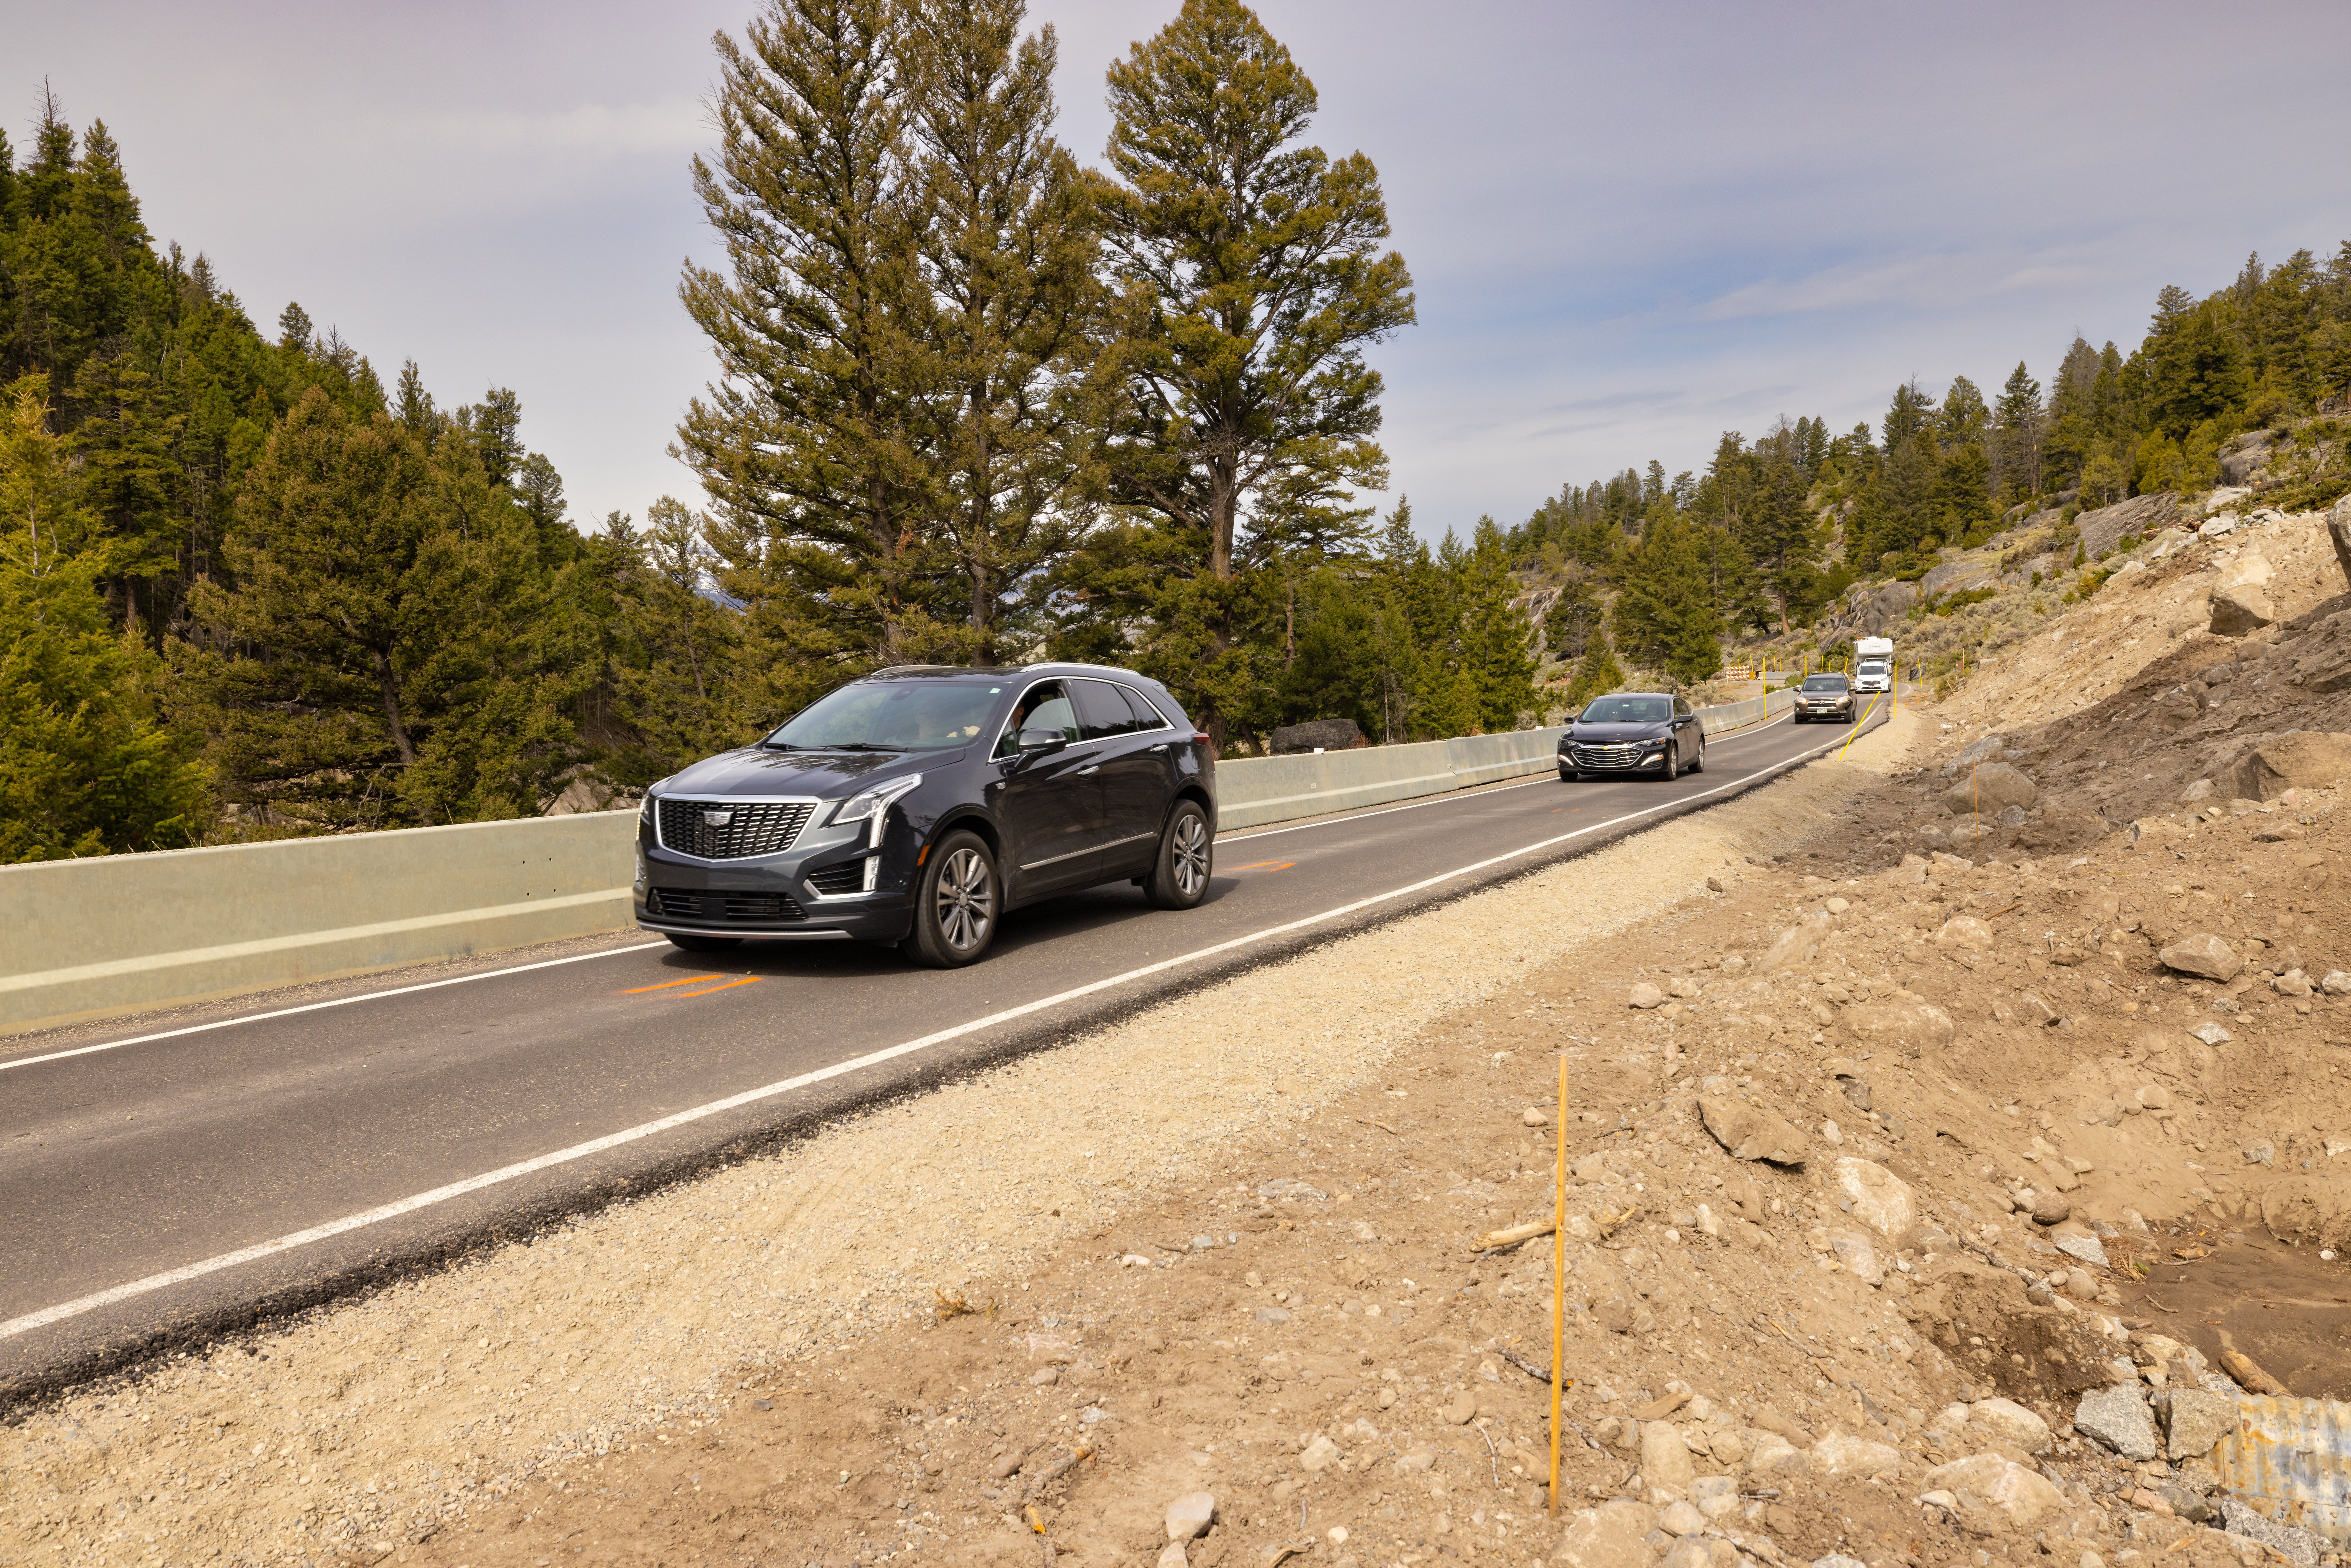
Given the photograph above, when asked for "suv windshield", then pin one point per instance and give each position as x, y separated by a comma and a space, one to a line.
1824, 684
1628, 710
890, 716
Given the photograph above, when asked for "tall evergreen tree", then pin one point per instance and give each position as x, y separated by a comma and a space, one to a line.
1008, 244
1665, 615
815, 441
1251, 276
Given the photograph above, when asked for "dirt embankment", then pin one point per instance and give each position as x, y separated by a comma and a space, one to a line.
1885, 1162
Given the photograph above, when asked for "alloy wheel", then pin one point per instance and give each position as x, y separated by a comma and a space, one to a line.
967, 900
1191, 855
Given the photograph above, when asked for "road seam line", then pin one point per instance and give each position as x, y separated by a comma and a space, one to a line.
393, 1210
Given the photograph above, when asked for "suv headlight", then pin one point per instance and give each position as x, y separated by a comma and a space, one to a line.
872, 807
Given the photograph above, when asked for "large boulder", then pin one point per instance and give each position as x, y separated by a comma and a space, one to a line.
2118, 1417
2006, 1421
1839, 1454
2240, 610
2242, 457
2102, 528
1318, 735
1996, 1493
1951, 576
1989, 787
2298, 760
2196, 1418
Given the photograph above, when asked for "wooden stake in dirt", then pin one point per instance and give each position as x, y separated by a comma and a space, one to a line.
1558, 1277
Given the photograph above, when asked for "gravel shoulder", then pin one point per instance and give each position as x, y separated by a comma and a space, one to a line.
1882, 1164
382, 1419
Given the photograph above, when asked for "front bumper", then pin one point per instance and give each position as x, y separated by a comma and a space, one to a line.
1631, 756
828, 884
1826, 710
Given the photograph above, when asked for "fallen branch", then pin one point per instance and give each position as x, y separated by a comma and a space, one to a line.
1273, 1555
1383, 1126
1053, 1472
1495, 1240
2249, 1374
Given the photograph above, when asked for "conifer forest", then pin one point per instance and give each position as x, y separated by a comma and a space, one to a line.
972, 401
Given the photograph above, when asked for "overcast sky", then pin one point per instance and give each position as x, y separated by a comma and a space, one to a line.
1631, 225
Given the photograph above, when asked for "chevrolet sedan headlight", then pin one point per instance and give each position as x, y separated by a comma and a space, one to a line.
872, 807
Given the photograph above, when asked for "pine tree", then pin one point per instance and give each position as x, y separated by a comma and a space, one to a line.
85, 766
2018, 428
1009, 242
1494, 634
1665, 615
816, 440
1250, 278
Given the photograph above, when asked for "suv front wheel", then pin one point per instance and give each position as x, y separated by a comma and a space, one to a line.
957, 903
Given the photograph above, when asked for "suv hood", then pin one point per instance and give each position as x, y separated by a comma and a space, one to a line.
754, 770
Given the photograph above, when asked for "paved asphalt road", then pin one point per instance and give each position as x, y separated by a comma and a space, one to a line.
160, 1157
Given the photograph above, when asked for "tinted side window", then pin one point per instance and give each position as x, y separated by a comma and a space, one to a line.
1102, 710
1681, 707
1044, 706
1145, 715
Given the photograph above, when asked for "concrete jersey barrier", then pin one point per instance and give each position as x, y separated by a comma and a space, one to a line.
85, 938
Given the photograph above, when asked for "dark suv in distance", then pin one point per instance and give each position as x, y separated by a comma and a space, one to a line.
916, 805
1824, 697
1633, 732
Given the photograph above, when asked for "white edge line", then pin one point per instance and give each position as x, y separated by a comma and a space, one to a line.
348, 1222
1451, 797
335, 1002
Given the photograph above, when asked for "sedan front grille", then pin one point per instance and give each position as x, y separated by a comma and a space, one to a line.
1620, 754
726, 830
721, 906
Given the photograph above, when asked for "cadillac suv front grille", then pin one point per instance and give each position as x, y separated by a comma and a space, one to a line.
721, 906
727, 829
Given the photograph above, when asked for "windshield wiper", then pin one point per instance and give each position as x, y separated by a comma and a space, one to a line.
861, 746
778, 746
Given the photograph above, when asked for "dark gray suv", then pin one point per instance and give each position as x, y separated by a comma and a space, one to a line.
916, 805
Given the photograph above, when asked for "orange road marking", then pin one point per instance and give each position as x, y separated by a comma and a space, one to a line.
665, 985
745, 980
1263, 866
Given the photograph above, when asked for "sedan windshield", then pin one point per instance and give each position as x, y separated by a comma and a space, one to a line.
1825, 683
1629, 710
890, 716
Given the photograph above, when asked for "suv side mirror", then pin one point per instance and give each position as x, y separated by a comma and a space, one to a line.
1042, 742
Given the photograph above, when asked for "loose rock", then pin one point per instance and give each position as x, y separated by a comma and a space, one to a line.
2049, 1208
1610, 1536
1839, 1454
1320, 1454
1532, 1117
1645, 995
1881, 1201
1665, 1459
2118, 1417
2012, 1423
2203, 955
1189, 1516
2239, 1519
1462, 1408
1750, 1133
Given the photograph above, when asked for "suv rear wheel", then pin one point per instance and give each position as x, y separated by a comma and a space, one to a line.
1179, 877
957, 905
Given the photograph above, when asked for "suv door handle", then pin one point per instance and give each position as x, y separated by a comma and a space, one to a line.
1090, 767
1161, 747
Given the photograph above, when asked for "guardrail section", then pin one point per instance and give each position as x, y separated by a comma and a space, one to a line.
87, 937
83, 938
